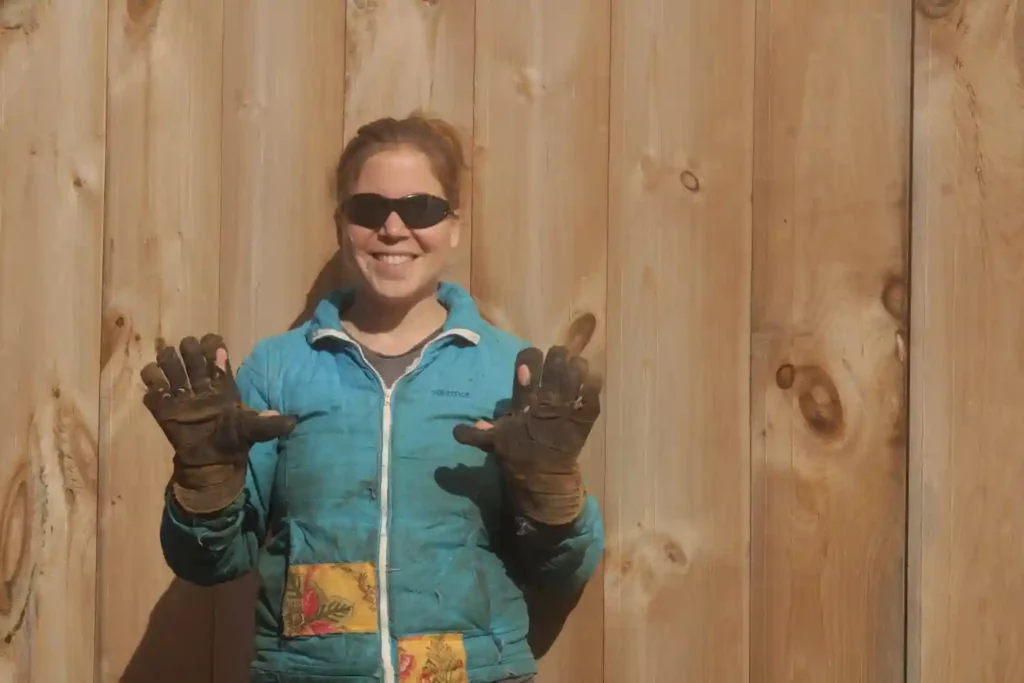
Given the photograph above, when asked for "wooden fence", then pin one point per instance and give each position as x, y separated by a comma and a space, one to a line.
800, 226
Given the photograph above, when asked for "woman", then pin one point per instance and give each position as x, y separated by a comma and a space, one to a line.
394, 468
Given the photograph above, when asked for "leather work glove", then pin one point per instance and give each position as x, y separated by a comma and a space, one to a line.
194, 399
538, 442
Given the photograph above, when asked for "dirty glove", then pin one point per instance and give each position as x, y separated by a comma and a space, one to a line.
538, 442
195, 401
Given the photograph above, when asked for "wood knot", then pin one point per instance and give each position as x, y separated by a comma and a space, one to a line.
140, 11
690, 181
528, 84
674, 552
19, 15
784, 376
817, 397
16, 522
646, 566
114, 335
936, 9
894, 297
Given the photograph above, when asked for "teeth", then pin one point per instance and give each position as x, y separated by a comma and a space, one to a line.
394, 259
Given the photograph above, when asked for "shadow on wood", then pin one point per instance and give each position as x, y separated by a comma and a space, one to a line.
330, 278
236, 624
177, 643
548, 614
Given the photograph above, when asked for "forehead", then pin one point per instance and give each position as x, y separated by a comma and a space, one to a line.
398, 172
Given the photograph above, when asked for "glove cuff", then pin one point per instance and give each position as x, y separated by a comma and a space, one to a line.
208, 489
551, 499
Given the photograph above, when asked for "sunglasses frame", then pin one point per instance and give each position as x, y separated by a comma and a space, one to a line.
396, 205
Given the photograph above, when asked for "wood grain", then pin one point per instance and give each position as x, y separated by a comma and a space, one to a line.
830, 248
284, 85
51, 236
539, 220
405, 55
678, 307
161, 281
966, 353
717, 208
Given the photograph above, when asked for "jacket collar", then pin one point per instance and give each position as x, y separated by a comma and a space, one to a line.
463, 319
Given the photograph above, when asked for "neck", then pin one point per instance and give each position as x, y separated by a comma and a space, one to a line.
391, 327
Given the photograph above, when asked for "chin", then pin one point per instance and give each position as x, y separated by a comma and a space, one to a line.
392, 287
390, 291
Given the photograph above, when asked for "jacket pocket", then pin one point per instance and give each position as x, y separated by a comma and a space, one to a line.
329, 597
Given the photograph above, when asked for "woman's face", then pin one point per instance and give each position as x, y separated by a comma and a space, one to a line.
397, 263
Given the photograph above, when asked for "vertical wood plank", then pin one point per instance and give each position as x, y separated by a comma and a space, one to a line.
540, 219
679, 334
829, 353
284, 81
52, 64
404, 55
161, 280
966, 511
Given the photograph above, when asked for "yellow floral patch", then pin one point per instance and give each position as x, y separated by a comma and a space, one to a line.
320, 599
438, 658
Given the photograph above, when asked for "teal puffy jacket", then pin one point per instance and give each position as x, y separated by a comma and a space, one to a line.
386, 549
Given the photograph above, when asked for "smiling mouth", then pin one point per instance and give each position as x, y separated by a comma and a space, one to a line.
394, 259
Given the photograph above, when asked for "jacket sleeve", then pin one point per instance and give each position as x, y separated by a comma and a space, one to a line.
214, 548
560, 559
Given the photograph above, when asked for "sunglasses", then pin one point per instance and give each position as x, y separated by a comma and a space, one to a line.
417, 211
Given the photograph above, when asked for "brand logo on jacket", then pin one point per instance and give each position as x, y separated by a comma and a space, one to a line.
450, 393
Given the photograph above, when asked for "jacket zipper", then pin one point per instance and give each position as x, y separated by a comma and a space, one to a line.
384, 604
382, 540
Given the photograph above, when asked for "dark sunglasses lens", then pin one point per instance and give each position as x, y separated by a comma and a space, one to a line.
422, 210
417, 211
367, 210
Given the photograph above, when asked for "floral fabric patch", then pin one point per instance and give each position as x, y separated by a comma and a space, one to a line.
321, 599
436, 658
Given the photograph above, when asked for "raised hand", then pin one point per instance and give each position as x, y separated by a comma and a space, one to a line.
194, 399
555, 402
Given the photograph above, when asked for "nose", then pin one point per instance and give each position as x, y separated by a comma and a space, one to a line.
394, 227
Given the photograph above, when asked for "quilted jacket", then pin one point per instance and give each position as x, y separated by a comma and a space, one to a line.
386, 550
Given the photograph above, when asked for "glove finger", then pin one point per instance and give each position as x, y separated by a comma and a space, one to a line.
169, 361
572, 379
158, 389
589, 405
154, 379
195, 365
218, 365
256, 428
211, 344
555, 366
469, 435
532, 358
